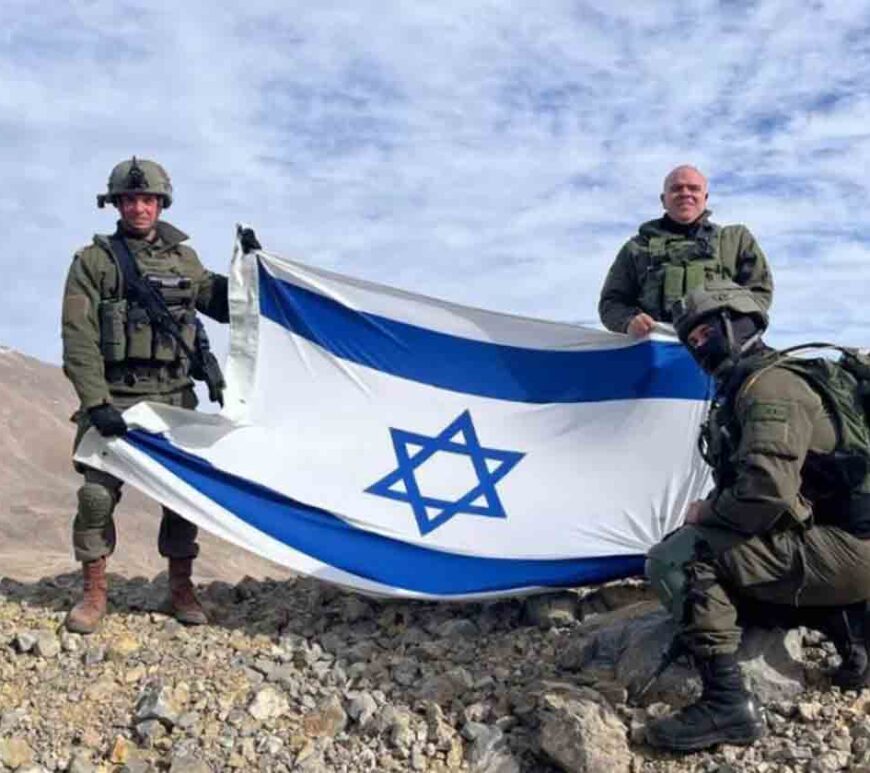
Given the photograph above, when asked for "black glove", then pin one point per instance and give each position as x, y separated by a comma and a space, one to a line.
248, 239
108, 420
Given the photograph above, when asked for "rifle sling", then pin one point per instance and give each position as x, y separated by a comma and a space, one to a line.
151, 300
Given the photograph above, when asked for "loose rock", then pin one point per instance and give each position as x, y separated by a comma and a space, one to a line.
584, 735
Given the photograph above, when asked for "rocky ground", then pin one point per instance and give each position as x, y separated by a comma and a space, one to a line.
298, 676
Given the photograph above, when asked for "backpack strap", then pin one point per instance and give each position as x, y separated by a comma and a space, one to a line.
819, 387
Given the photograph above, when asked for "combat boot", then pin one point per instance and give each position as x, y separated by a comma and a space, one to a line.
726, 712
85, 616
185, 606
848, 630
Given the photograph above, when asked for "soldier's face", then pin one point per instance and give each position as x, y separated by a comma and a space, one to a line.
139, 211
699, 335
709, 346
685, 195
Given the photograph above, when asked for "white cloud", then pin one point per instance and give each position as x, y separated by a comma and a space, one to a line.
491, 153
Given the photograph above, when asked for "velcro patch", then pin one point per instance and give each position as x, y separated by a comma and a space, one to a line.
75, 307
768, 412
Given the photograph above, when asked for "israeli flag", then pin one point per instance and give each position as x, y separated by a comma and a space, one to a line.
401, 445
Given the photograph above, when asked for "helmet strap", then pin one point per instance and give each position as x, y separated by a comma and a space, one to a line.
729, 331
750, 342
736, 349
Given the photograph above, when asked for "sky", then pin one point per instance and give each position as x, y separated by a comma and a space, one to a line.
493, 152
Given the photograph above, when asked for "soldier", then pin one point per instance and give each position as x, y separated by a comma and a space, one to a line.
672, 255
786, 527
115, 355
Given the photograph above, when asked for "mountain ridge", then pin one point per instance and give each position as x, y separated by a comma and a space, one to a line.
38, 489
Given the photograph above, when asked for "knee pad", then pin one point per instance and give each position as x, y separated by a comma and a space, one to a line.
96, 504
669, 584
666, 568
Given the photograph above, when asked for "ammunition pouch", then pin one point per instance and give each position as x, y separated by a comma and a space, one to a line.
675, 280
187, 323
164, 348
140, 338
673, 285
113, 334
143, 377
177, 294
676, 266
165, 342
128, 333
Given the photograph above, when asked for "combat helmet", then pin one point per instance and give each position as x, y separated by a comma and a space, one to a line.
717, 297
137, 176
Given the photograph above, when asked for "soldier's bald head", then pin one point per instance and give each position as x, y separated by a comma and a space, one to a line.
684, 194
688, 168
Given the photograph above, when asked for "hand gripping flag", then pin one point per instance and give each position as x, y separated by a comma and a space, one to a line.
402, 445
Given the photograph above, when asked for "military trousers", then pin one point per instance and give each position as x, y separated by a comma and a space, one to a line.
94, 533
819, 566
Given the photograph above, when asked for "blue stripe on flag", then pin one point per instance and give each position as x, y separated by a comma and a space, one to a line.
384, 560
647, 370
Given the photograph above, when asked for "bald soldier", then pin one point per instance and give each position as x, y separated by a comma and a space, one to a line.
117, 353
676, 253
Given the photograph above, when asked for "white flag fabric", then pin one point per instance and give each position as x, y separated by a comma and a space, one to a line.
402, 445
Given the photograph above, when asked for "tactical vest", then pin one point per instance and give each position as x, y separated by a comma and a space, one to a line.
837, 484
133, 350
676, 264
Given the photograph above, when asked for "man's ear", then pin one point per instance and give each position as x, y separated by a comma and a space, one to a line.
662, 199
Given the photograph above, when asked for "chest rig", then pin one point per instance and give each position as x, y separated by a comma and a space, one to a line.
132, 347
672, 265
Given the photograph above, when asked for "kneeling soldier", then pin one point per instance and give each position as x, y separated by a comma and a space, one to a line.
786, 526
116, 353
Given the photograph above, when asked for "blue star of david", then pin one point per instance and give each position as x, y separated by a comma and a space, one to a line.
458, 437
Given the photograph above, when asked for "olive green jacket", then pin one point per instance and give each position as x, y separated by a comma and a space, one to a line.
779, 419
639, 279
93, 279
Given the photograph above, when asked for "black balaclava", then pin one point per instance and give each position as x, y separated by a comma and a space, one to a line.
730, 337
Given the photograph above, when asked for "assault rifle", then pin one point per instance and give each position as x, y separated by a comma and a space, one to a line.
203, 364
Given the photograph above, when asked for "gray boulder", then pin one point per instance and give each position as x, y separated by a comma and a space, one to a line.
580, 732
626, 646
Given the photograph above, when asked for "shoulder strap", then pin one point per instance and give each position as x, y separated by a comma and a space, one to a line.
818, 384
126, 264
784, 354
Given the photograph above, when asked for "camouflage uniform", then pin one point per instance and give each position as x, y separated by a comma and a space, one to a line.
666, 260
784, 528
762, 541
93, 281
115, 357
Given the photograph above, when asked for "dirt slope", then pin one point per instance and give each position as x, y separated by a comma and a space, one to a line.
38, 485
